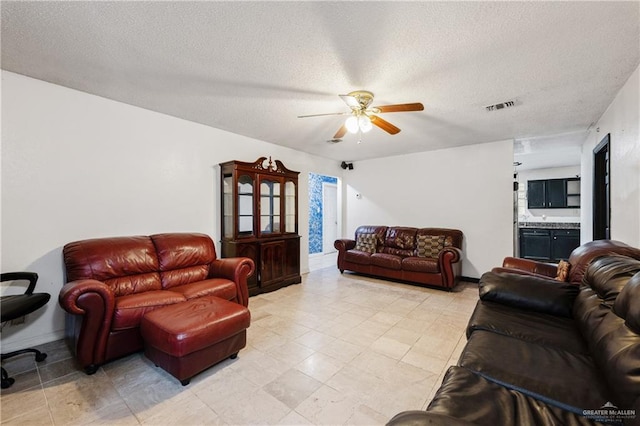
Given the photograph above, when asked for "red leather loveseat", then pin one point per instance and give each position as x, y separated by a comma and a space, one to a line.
429, 256
114, 282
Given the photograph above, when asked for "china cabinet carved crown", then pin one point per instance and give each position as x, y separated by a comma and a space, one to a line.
260, 220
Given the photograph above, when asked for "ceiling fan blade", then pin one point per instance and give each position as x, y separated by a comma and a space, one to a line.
341, 132
351, 101
321, 115
401, 107
384, 125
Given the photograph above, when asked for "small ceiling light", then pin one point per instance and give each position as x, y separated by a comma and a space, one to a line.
364, 123
358, 123
352, 124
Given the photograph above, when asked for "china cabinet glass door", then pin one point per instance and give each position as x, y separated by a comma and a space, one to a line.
245, 205
269, 206
227, 204
289, 207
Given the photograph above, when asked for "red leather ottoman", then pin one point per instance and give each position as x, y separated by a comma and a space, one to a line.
188, 337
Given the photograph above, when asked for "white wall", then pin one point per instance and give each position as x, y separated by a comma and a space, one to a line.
545, 215
467, 188
77, 166
622, 121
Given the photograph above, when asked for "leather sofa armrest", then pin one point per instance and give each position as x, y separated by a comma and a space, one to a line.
528, 292
450, 254
423, 418
95, 302
530, 266
344, 245
448, 261
236, 269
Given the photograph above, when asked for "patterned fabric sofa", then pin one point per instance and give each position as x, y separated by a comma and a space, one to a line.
426, 256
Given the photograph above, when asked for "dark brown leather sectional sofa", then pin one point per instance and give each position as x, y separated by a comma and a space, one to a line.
428, 256
544, 352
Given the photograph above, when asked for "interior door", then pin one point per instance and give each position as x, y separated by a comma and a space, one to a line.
329, 216
601, 195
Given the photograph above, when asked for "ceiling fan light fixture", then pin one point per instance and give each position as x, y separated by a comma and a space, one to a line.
363, 117
364, 122
352, 124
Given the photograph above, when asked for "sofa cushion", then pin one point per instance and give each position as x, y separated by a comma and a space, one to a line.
472, 398
429, 245
183, 258
582, 256
452, 237
608, 314
537, 369
420, 264
626, 305
130, 309
528, 292
359, 257
126, 264
219, 287
366, 243
615, 346
388, 261
132, 284
178, 277
535, 327
399, 241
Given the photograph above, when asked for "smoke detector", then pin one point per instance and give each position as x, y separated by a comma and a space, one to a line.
501, 105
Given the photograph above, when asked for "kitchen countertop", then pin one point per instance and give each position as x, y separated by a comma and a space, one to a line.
549, 225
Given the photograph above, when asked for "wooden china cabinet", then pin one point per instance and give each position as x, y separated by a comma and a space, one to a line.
260, 221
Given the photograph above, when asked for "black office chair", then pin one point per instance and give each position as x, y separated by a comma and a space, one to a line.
19, 305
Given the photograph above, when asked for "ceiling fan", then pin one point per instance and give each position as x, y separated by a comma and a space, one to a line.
363, 116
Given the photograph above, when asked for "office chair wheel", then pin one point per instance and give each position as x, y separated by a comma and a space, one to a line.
6, 380
6, 383
40, 356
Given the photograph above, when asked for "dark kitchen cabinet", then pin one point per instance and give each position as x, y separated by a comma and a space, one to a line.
553, 193
259, 212
563, 242
548, 245
535, 244
556, 193
536, 194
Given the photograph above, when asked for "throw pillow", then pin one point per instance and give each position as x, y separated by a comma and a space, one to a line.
366, 243
448, 242
563, 271
429, 245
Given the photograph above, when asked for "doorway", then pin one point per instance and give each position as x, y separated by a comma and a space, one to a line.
329, 216
323, 213
601, 190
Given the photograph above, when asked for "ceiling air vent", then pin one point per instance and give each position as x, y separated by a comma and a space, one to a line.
334, 140
502, 105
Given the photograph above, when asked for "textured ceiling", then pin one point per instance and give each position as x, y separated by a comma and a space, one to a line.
252, 67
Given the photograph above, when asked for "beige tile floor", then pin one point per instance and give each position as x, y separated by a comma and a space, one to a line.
322, 260
336, 349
